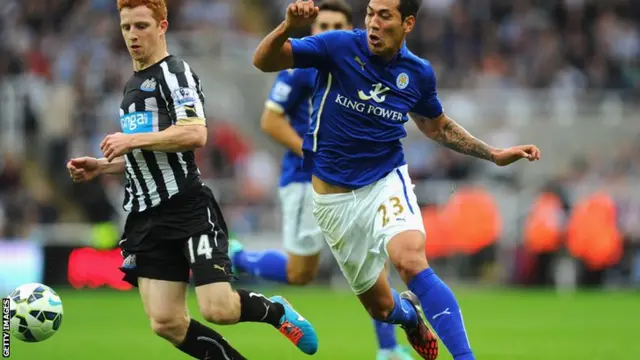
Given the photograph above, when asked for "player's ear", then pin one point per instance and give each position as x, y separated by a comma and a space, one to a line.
408, 24
164, 24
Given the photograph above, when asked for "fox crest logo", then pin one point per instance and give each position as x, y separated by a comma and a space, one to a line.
377, 94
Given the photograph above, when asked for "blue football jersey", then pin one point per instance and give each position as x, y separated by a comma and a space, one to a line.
291, 95
360, 106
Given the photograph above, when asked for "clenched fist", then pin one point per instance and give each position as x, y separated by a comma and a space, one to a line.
301, 14
508, 156
115, 145
83, 169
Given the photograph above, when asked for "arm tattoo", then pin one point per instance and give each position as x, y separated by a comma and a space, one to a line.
455, 137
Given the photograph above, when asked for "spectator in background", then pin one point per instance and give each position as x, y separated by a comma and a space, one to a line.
564, 46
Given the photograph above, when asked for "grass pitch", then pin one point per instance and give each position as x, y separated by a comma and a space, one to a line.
502, 325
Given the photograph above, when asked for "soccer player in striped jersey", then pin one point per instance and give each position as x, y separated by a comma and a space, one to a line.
175, 225
369, 84
285, 119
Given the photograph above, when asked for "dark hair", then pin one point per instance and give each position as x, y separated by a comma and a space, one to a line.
409, 8
340, 6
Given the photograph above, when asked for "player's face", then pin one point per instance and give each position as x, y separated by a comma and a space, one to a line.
141, 32
386, 30
330, 20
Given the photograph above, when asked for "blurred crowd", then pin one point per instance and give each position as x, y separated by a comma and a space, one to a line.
63, 66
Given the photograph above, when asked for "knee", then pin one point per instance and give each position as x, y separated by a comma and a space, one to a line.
381, 309
411, 264
221, 309
301, 275
409, 258
170, 327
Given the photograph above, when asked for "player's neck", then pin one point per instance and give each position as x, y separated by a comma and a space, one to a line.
388, 56
157, 55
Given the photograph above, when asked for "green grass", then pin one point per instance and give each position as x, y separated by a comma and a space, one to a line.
503, 325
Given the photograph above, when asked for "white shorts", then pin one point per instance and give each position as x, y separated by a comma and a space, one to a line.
358, 225
301, 234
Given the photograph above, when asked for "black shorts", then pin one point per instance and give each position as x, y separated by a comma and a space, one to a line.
185, 234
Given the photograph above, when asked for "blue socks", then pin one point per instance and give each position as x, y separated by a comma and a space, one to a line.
443, 313
403, 312
386, 335
268, 264
386, 332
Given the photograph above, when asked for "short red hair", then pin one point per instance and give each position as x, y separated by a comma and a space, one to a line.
158, 7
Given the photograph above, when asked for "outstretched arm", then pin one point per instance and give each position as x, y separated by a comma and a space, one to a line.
450, 134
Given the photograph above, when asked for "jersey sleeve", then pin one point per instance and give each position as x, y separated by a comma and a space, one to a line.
185, 98
429, 104
281, 97
313, 51
289, 89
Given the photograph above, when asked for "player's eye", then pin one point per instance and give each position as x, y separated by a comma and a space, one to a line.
125, 27
338, 26
324, 26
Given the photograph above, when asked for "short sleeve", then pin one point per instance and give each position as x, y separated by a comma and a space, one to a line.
185, 101
313, 51
429, 104
280, 96
289, 89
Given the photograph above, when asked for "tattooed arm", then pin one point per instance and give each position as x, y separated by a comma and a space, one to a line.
436, 125
447, 132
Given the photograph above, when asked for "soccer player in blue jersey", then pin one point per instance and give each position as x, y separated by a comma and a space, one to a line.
286, 118
368, 85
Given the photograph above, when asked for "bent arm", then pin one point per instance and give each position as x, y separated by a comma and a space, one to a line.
274, 52
115, 167
450, 134
186, 135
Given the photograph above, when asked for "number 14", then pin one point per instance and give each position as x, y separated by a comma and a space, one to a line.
396, 206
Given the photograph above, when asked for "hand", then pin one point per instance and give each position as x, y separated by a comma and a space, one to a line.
115, 145
300, 14
83, 169
508, 156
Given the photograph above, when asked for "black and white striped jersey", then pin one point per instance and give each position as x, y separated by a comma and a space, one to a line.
155, 98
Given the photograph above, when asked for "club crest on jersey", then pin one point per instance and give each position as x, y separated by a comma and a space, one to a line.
149, 85
402, 81
185, 96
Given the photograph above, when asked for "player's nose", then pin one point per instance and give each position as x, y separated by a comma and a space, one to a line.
132, 36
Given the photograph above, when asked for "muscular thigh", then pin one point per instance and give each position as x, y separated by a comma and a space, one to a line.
211, 269
163, 300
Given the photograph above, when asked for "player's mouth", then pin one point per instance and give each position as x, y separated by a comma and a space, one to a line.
374, 40
135, 48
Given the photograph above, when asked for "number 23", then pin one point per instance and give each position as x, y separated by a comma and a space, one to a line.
396, 206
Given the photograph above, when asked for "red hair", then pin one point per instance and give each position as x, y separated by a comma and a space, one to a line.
158, 7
